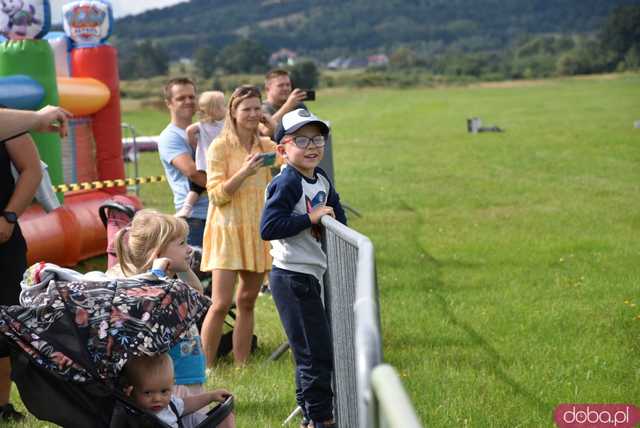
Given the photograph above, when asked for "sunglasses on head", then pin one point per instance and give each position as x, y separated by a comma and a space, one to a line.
244, 90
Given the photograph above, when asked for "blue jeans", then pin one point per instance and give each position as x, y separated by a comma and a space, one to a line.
196, 231
297, 298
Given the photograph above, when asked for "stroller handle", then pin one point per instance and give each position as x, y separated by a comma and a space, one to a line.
218, 413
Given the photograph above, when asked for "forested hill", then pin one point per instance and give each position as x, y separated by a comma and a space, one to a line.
329, 28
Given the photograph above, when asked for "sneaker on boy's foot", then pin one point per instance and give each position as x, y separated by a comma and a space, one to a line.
304, 423
9, 413
185, 211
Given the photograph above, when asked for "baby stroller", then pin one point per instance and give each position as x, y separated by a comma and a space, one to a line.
71, 336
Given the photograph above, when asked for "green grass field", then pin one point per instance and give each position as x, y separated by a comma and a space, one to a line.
508, 263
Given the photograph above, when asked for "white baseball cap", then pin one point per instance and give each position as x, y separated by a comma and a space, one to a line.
295, 120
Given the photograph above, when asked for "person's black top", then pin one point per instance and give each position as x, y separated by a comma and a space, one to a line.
7, 184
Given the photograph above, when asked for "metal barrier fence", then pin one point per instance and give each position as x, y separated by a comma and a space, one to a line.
351, 299
394, 406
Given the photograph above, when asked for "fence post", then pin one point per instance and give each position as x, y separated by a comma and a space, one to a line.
396, 410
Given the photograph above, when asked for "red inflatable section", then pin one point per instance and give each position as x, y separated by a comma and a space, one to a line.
101, 63
74, 227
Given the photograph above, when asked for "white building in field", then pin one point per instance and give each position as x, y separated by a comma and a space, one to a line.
283, 57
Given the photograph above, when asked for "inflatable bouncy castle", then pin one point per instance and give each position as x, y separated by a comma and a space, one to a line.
77, 70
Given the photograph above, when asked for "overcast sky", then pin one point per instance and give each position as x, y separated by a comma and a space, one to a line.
120, 7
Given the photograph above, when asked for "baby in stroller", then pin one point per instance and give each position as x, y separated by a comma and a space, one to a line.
148, 381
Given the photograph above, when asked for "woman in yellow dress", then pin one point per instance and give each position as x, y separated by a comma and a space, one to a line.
232, 247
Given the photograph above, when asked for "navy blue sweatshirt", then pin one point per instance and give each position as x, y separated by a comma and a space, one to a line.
285, 222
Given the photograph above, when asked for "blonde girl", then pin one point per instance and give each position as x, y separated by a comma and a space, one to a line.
232, 247
212, 109
155, 243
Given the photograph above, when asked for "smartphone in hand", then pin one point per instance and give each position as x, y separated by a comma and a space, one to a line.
311, 94
268, 158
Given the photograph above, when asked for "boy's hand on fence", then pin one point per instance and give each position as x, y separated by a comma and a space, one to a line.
318, 212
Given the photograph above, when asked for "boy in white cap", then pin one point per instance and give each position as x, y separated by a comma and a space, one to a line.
296, 200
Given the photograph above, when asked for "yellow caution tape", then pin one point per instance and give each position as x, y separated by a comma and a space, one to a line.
119, 182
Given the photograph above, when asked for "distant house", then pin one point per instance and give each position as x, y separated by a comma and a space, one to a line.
335, 64
379, 60
282, 57
344, 63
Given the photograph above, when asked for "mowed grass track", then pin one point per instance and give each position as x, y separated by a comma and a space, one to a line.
508, 263
504, 260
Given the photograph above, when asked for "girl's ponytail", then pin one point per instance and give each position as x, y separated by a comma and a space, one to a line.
150, 232
122, 250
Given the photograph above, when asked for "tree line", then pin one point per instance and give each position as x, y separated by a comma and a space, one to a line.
615, 47
331, 28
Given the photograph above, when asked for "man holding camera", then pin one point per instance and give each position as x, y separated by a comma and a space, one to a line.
281, 98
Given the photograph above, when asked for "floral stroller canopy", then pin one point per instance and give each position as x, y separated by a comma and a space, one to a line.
84, 329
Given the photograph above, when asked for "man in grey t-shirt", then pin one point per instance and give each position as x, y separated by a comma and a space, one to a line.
281, 99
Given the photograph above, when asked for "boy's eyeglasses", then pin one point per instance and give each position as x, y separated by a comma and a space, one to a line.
304, 142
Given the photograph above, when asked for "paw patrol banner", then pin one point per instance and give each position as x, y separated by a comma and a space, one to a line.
24, 19
87, 23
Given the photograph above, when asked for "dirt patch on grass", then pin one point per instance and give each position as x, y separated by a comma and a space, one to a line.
541, 82
512, 83
609, 76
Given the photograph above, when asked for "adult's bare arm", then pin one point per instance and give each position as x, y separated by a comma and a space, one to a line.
192, 134
24, 156
251, 165
187, 167
295, 97
47, 119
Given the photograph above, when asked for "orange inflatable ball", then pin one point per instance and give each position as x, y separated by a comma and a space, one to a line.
82, 96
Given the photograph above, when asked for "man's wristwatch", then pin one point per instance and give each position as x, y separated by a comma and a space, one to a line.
10, 216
